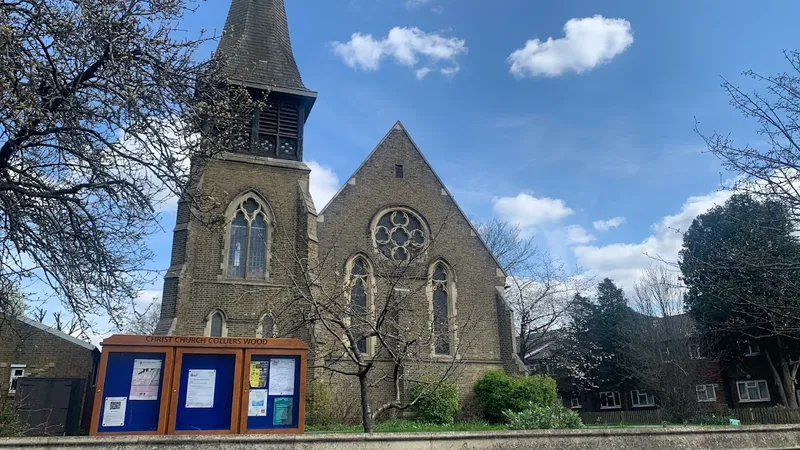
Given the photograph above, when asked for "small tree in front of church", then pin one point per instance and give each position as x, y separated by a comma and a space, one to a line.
387, 322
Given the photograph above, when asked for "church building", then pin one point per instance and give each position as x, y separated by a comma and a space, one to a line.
253, 274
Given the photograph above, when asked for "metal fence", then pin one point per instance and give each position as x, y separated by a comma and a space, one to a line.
747, 416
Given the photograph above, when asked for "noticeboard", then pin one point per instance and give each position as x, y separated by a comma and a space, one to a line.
200, 385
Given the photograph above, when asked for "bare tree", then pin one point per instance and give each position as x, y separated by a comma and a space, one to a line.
374, 323
144, 322
102, 107
539, 288
663, 351
771, 168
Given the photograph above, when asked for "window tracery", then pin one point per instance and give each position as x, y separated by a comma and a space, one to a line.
400, 235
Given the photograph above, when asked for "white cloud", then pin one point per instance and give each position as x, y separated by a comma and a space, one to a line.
411, 4
528, 211
323, 184
625, 262
576, 234
605, 225
587, 43
407, 46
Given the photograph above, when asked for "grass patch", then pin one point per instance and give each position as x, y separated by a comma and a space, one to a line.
407, 426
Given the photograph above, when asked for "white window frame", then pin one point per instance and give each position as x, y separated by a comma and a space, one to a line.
636, 399
695, 352
708, 390
750, 351
614, 396
575, 403
666, 356
757, 384
12, 377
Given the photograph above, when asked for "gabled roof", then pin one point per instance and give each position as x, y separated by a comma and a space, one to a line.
398, 126
56, 333
258, 50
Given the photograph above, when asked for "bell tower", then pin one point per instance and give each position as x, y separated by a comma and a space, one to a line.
232, 275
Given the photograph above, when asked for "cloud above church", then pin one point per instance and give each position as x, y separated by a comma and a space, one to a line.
528, 211
625, 262
323, 184
411, 47
587, 43
605, 225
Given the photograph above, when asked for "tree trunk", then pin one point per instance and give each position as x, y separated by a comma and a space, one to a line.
787, 380
779, 383
366, 411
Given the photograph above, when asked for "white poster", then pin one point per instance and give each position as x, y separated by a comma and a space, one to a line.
114, 411
257, 405
200, 388
281, 377
146, 377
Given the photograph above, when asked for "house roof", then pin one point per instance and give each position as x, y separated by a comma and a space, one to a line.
56, 333
257, 48
398, 126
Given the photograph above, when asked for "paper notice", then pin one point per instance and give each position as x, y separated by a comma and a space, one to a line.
281, 377
146, 377
257, 406
258, 374
114, 411
282, 412
200, 388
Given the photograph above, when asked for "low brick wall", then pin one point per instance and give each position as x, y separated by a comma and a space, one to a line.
766, 437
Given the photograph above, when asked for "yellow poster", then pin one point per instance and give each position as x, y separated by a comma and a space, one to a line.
258, 373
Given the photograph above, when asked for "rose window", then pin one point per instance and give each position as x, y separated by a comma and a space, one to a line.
399, 235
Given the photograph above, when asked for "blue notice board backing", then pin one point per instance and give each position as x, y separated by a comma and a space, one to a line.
206, 409
139, 415
282, 410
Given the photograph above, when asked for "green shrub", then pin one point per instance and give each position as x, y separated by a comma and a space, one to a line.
543, 417
10, 423
496, 393
437, 405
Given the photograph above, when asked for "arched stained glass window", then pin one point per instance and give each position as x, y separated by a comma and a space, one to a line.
217, 323
441, 310
248, 250
267, 326
359, 302
400, 235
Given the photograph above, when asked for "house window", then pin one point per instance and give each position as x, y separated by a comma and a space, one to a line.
360, 303
248, 240
442, 304
398, 171
706, 393
751, 349
399, 235
752, 391
666, 357
696, 352
641, 399
215, 324
610, 400
575, 403
17, 372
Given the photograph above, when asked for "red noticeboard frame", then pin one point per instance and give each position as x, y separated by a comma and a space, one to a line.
174, 347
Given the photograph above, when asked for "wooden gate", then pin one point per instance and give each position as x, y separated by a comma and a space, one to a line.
50, 406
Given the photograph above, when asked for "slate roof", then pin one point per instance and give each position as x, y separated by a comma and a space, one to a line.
258, 49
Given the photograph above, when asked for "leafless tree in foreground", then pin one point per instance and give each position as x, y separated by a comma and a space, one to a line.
100, 114
373, 320
665, 354
539, 288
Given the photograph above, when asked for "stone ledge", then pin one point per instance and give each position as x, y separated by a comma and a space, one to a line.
651, 438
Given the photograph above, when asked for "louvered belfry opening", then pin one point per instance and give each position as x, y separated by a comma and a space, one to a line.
277, 130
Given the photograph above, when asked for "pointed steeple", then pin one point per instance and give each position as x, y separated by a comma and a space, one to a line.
258, 50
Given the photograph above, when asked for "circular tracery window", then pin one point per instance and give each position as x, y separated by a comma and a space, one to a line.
399, 235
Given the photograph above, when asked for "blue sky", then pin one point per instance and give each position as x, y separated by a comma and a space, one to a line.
594, 125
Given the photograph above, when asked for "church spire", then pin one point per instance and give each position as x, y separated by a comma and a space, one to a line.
257, 53
256, 45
